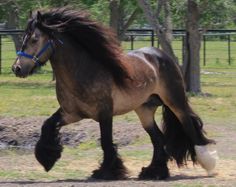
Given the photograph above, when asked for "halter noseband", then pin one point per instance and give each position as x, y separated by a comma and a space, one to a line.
35, 58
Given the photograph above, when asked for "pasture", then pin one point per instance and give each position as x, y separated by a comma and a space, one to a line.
25, 103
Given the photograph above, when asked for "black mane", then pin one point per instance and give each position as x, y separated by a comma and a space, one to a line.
98, 40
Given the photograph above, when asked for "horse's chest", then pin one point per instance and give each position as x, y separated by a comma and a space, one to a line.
74, 109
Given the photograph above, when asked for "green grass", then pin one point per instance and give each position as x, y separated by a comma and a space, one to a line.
220, 105
35, 96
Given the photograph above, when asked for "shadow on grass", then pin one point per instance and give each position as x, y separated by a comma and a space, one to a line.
95, 181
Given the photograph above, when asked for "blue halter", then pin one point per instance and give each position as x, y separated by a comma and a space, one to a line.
35, 58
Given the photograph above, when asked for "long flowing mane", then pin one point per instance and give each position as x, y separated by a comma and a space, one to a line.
98, 40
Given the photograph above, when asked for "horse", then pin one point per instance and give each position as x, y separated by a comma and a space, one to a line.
95, 79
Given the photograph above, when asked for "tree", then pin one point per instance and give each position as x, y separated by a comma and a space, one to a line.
163, 32
12, 21
122, 15
214, 14
191, 66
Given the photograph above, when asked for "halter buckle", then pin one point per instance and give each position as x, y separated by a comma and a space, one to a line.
35, 59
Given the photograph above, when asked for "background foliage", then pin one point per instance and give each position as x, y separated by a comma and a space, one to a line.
215, 14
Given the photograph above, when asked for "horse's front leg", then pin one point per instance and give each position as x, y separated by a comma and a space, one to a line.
48, 149
112, 167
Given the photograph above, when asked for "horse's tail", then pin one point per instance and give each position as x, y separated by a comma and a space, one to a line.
179, 143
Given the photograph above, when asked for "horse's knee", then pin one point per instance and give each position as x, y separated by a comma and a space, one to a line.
146, 116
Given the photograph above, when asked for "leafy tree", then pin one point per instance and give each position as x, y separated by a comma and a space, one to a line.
163, 28
122, 15
214, 14
163, 31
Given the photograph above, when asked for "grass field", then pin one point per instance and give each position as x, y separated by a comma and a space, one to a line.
35, 96
218, 79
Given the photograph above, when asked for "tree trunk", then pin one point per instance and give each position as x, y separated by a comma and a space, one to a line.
117, 22
163, 34
191, 66
127, 24
115, 15
13, 23
168, 21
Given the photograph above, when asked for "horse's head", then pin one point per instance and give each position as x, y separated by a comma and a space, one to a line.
36, 49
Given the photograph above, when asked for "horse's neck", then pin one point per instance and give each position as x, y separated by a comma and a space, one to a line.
68, 57
72, 63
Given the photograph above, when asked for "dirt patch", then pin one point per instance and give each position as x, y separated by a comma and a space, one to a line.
24, 132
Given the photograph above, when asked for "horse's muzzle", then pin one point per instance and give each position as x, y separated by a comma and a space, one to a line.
17, 70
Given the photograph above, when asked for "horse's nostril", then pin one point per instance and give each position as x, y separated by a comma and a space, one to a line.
17, 69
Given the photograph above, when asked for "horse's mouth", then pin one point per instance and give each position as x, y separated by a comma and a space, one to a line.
33, 70
24, 75
21, 75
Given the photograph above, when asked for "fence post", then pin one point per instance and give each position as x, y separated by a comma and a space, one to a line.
132, 42
204, 50
183, 48
0, 54
152, 38
229, 49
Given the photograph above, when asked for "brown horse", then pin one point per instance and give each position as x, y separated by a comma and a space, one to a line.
95, 79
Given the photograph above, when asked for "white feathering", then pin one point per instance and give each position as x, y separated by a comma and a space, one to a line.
206, 159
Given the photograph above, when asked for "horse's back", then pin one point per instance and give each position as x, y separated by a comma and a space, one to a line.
158, 55
157, 58
147, 50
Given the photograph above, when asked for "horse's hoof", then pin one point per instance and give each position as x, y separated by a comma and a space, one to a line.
114, 171
106, 174
154, 173
47, 155
103, 175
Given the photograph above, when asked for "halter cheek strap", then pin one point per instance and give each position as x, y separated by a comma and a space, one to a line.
35, 58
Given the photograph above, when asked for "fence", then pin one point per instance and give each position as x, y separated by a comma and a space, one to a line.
218, 46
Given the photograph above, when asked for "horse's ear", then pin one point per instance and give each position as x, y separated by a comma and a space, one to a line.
39, 17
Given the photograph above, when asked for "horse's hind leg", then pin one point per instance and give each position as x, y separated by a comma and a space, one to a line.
183, 128
112, 167
158, 166
48, 149
177, 101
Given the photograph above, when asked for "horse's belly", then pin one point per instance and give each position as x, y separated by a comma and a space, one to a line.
123, 102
